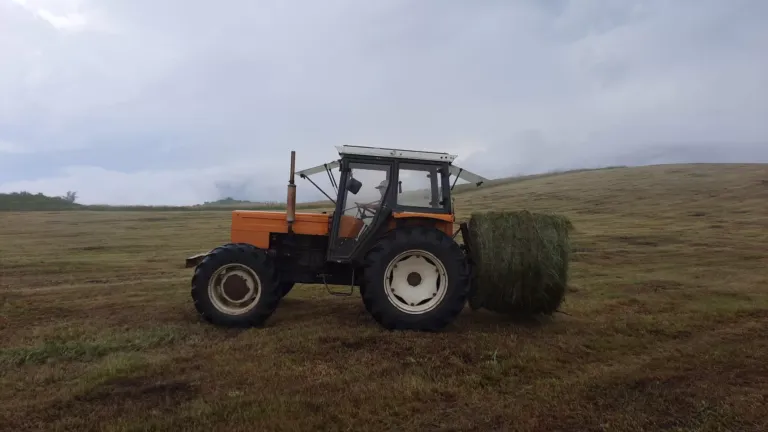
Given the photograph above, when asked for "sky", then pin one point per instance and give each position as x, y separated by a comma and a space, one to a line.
184, 101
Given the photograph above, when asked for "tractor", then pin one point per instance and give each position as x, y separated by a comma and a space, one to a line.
397, 246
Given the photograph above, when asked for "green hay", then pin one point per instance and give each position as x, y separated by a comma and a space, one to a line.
521, 261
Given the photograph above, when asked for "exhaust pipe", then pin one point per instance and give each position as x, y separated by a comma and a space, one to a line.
290, 215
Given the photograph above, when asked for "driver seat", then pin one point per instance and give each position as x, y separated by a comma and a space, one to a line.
350, 227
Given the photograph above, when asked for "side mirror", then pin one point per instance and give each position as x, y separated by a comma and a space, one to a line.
354, 185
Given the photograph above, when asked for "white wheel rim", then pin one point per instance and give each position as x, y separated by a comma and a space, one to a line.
415, 294
226, 286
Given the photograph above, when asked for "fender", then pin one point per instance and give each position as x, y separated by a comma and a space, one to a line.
443, 222
194, 260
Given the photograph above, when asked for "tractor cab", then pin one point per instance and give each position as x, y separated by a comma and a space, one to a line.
379, 189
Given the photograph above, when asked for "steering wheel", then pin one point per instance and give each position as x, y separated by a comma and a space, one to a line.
363, 209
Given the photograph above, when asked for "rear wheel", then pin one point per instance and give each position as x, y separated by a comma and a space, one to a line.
236, 285
416, 278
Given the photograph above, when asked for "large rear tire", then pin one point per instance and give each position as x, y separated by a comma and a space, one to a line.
236, 285
415, 278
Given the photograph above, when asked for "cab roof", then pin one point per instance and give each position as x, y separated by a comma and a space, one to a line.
396, 153
411, 155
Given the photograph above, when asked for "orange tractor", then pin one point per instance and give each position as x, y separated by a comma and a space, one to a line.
397, 246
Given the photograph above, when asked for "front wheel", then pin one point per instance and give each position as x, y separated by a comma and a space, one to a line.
236, 285
416, 278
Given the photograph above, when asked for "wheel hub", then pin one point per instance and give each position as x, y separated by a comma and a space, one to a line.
415, 281
234, 289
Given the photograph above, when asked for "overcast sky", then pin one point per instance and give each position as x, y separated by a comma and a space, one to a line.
183, 101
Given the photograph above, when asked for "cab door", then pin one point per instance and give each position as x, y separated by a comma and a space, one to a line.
362, 206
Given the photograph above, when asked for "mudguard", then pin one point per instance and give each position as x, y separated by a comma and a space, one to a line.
194, 260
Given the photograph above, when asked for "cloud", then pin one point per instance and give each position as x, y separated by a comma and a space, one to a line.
11, 148
179, 102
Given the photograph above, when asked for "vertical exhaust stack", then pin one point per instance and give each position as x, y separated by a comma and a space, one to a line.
290, 215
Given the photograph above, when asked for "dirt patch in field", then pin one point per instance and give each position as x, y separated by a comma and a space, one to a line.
142, 391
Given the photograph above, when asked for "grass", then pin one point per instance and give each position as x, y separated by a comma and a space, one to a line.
68, 346
665, 328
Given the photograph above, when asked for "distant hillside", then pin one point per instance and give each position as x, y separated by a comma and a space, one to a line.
231, 202
652, 194
24, 201
226, 201
468, 187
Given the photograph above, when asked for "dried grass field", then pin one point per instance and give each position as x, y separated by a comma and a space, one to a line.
666, 325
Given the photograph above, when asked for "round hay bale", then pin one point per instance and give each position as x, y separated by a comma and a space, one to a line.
521, 261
